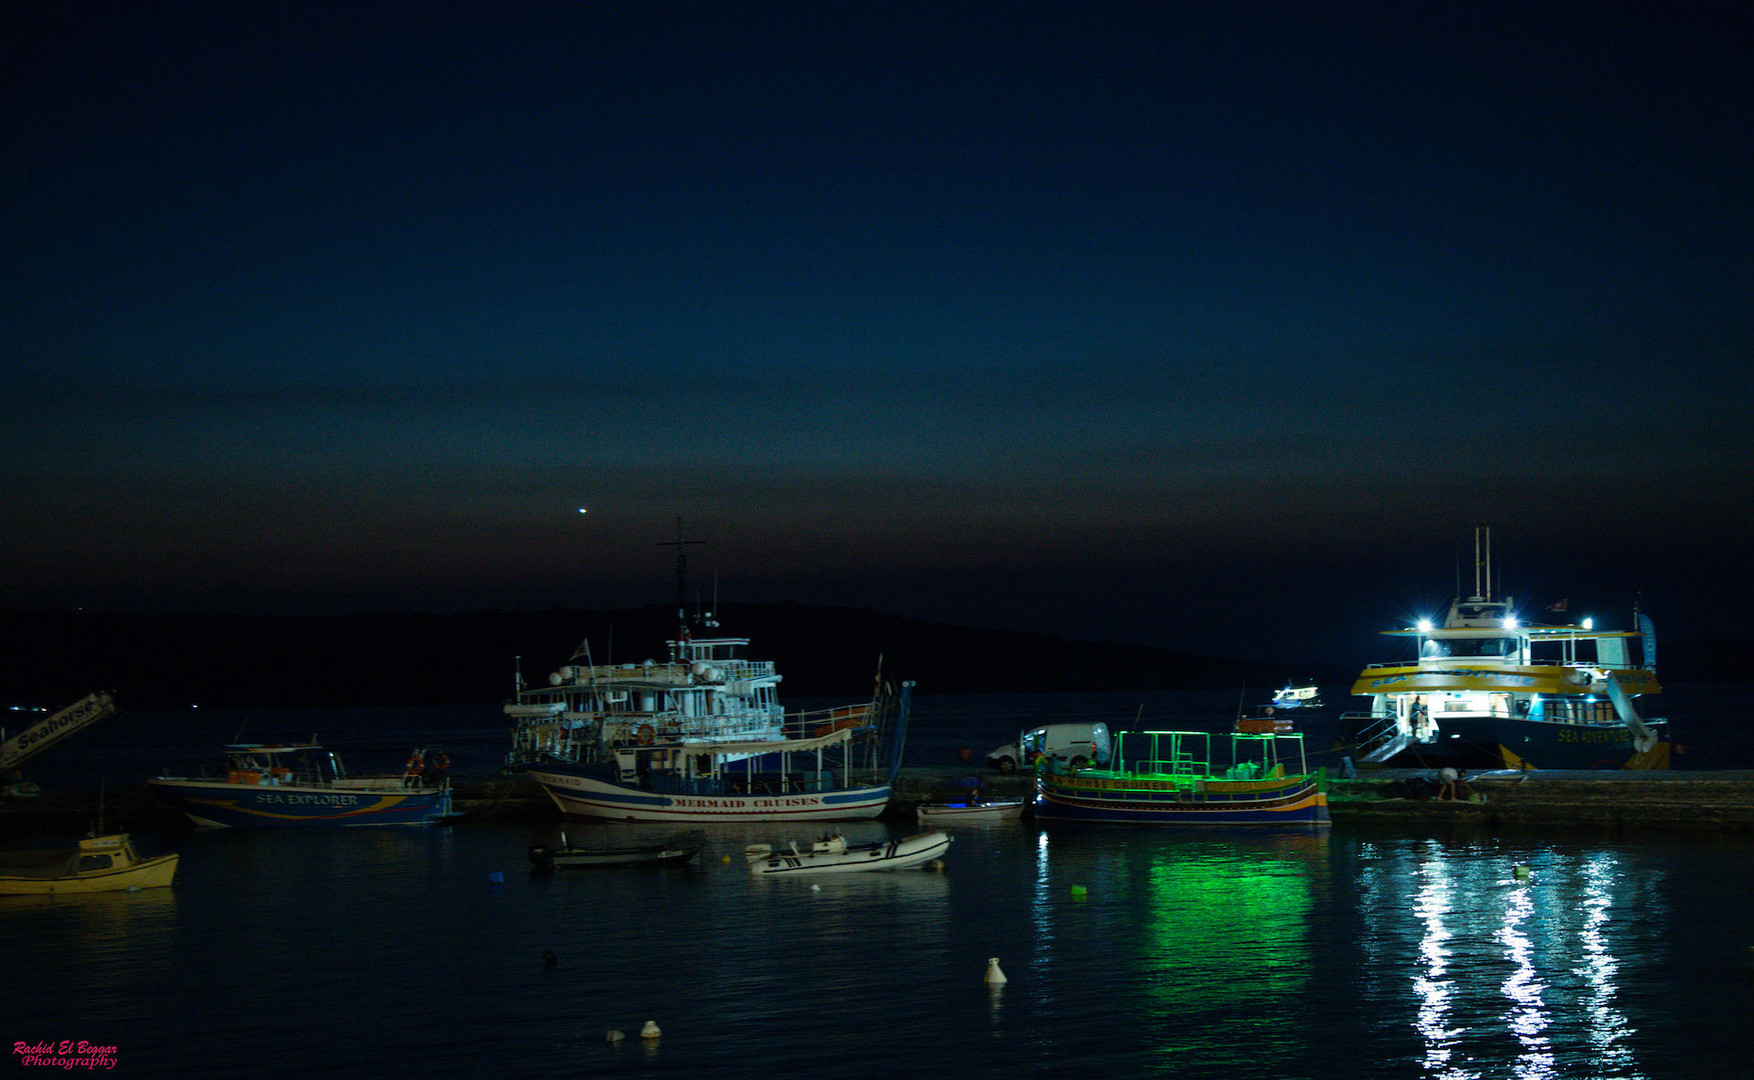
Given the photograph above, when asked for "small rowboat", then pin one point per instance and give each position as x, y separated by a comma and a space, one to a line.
969, 813
833, 855
674, 851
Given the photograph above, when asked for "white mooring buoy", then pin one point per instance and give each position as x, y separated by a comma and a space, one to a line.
650, 1031
994, 976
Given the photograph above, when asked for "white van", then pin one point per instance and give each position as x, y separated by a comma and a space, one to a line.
1075, 744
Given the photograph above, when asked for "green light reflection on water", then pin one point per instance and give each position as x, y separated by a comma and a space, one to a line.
1226, 955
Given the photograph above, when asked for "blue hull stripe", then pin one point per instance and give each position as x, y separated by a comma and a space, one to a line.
287, 807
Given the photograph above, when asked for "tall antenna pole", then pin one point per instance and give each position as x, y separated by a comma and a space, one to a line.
1482, 562
681, 547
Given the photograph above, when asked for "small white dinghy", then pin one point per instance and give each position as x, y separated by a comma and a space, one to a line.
833, 855
969, 813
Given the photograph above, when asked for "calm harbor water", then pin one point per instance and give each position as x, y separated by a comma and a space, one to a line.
1414, 950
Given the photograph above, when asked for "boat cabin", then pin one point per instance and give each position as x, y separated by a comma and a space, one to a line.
285, 763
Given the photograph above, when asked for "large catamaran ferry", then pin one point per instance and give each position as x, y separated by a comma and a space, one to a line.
701, 736
1488, 691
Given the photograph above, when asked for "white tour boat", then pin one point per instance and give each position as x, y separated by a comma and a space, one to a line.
701, 737
1487, 689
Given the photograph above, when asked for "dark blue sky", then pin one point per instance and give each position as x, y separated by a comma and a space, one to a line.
1212, 326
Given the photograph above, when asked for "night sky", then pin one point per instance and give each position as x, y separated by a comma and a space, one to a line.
1215, 326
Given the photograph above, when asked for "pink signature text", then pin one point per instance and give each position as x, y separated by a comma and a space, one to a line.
66, 1054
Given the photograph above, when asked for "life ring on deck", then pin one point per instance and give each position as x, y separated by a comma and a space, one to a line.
644, 734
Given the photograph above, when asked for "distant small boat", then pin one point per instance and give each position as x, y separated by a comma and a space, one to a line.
674, 851
833, 855
98, 864
1298, 695
969, 813
1264, 724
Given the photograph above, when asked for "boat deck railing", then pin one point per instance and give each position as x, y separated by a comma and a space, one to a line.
1188, 755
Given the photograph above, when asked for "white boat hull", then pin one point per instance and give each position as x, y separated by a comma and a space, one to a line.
962, 814
589, 797
900, 854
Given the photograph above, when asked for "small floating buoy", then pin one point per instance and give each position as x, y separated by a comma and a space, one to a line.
815, 887
1521, 872
613, 1036
936, 865
1079, 892
650, 1031
724, 858
496, 878
994, 976
549, 959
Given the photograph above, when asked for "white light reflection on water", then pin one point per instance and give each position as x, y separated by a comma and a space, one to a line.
1521, 973
1608, 1028
1528, 1016
1431, 983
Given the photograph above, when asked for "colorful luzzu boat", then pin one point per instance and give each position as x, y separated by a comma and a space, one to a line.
1171, 778
265, 786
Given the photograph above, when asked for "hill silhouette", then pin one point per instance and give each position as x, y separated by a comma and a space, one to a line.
166, 661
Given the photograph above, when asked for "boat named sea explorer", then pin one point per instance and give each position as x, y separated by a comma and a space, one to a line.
702, 737
98, 864
277, 785
1486, 690
1171, 778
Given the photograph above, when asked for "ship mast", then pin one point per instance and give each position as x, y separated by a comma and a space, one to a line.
1482, 562
681, 547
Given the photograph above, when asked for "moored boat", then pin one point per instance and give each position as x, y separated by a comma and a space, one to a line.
1488, 689
673, 851
279, 785
97, 864
833, 855
1298, 695
1172, 778
702, 737
970, 813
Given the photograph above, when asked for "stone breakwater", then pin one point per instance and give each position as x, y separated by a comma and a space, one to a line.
1689, 800
1673, 800
1669, 800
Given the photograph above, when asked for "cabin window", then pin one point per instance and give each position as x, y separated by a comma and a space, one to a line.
94, 862
1493, 646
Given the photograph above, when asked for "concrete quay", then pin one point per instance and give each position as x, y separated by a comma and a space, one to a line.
1666, 800
1722, 801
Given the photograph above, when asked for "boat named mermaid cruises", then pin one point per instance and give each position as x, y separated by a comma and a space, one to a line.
1487, 690
701, 736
